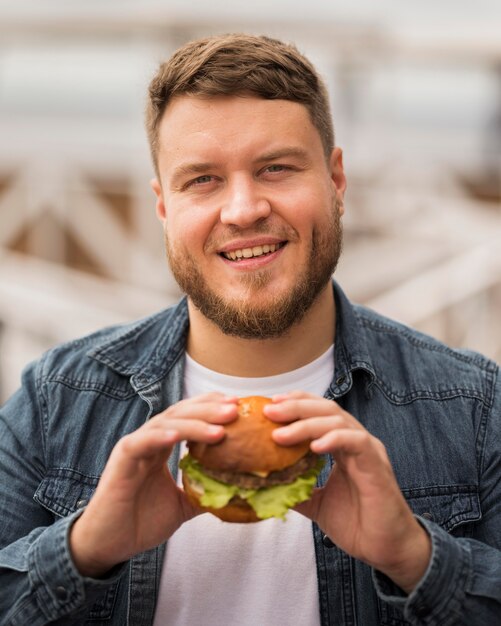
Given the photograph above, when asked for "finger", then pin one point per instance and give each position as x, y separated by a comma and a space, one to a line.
360, 456
290, 395
349, 441
192, 430
212, 396
212, 412
303, 408
311, 428
145, 443
152, 447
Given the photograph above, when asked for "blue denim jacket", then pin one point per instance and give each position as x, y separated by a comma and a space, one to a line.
438, 412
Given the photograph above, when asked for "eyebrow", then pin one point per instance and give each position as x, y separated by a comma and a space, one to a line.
280, 153
186, 169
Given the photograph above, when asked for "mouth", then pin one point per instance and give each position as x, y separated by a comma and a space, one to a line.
241, 254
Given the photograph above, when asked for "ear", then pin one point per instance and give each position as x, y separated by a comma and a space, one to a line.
338, 178
160, 206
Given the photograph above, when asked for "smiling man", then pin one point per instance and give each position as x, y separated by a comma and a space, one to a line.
251, 208
405, 525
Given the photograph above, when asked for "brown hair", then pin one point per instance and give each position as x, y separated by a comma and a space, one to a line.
239, 64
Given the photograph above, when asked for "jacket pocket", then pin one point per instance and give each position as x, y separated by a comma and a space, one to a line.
454, 508
63, 491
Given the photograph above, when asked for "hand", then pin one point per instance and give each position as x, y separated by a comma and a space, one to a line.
361, 507
137, 504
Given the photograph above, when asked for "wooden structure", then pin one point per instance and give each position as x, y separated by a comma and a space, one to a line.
80, 246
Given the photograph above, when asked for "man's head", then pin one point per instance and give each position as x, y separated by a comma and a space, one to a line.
249, 187
239, 64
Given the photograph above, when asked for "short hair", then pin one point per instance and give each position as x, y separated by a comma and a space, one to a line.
239, 64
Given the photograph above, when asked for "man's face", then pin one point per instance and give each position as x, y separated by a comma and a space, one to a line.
251, 210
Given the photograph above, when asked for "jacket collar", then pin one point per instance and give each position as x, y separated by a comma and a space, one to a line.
148, 349
351, 352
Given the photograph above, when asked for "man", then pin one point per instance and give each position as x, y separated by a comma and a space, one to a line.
406, 524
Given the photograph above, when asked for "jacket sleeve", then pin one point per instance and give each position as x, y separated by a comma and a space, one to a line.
462, 584
38, 580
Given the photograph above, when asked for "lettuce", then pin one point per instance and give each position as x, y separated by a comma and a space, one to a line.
267, 502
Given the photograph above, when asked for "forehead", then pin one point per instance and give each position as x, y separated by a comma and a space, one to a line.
192, 126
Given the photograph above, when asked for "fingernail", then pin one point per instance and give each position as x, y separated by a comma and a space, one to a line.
279, 397
213, 429
283, 430
318, 447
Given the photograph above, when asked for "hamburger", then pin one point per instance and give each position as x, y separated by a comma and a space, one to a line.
247, 477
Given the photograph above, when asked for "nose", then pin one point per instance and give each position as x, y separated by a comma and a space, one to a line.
244, 204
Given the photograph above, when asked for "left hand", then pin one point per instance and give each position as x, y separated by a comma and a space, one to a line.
361, 507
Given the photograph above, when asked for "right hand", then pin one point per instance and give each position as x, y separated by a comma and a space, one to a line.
137, 504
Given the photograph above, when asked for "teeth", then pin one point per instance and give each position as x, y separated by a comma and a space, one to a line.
248, 253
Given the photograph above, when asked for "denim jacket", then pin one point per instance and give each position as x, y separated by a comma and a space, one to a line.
438, 412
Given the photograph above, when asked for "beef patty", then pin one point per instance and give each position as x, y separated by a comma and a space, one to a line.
251, 481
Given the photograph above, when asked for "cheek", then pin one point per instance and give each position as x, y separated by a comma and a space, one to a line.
307, 209
188, 231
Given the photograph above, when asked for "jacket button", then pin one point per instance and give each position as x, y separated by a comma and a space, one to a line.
81, 503
420, 610
340, 380
427, 515
327, 541
61, 593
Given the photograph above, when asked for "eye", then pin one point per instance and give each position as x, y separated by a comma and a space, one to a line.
277, 171
276, 167
201, 180
205, 182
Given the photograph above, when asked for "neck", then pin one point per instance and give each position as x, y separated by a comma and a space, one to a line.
250, 358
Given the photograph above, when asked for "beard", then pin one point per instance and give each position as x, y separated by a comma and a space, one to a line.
255, 317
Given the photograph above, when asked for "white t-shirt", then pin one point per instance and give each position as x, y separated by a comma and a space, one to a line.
219, 574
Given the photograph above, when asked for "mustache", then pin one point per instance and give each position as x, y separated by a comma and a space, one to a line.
284, 232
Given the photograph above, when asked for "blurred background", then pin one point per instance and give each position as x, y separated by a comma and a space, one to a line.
416, 95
